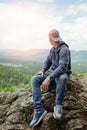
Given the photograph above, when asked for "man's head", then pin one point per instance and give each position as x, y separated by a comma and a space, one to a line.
54, 35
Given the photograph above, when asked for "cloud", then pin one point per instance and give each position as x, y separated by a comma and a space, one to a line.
23, 26
46, 1
26, 25
77, 9
75, 31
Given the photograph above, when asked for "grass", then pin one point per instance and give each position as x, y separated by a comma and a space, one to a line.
77, 75
13, 88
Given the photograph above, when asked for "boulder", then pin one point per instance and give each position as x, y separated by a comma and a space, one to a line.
16, 109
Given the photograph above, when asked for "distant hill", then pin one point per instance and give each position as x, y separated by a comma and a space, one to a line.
79, 58
79, 61
23, 57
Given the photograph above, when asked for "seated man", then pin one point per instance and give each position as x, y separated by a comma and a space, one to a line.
57, 68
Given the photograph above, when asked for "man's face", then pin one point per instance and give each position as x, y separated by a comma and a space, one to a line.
54, 44
51, 41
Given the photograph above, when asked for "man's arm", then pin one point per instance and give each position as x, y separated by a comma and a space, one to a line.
64, 55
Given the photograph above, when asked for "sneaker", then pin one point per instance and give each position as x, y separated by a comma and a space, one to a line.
38, 116
58, 111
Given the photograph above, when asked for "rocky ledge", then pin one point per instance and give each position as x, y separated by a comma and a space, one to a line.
16, 109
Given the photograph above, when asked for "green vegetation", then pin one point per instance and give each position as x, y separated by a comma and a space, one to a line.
77, 75
79, 61
16, 69
25, 116
12, 78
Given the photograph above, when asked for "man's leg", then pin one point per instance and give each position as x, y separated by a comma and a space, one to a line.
61, 83
39, 111
36, 81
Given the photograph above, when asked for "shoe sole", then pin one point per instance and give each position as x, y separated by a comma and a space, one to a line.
40, 118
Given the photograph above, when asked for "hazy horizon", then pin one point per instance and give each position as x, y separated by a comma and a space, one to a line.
37, 49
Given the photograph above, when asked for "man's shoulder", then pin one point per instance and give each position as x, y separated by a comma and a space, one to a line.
64, 44
52, 49
64, 49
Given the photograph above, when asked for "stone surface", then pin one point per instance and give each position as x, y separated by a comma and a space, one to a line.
16, 109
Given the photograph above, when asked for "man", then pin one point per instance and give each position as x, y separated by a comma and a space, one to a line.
57, 69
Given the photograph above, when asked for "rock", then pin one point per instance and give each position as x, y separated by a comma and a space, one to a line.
77, 124
16, 109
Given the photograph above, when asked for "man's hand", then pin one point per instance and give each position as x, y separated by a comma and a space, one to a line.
40, 73
45, 84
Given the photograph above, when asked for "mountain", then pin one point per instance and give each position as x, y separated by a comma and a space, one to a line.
78, 58
23, 57
79, 61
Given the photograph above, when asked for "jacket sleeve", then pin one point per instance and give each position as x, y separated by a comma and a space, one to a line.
47, 63
63, 62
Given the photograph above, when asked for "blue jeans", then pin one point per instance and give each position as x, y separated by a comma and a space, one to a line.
60, 83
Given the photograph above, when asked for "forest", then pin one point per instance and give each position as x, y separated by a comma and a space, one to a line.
12, 77
16, 69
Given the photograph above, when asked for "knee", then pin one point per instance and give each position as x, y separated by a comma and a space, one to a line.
62, 78
33, 79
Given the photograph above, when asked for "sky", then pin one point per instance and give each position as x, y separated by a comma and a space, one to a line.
25, 24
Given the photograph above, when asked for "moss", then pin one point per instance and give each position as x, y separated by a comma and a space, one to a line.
25, 116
